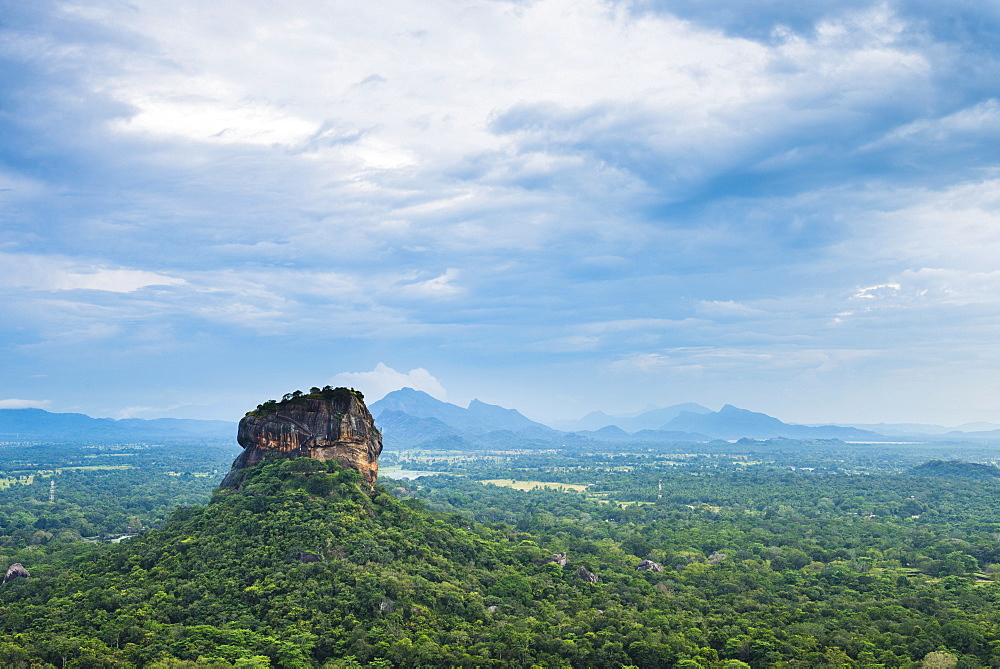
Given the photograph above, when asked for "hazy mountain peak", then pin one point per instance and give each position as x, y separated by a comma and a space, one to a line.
650, 419
479, 418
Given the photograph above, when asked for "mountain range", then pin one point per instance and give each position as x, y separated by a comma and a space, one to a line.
410, 418
38, 424
653, 418
478, 417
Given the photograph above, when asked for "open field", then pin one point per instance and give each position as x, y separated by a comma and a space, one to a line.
532, 485
16, 480
93, 468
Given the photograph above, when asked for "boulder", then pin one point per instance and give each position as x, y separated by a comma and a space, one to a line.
16, 570
649, 565
558, 558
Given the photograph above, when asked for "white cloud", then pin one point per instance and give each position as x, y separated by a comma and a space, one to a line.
25, 404
443, 72
727, 309
877, 291
384, 379
950, 227
38, 272
138, 411
437, 287
968, 123
932, 288
736, 362
642, 362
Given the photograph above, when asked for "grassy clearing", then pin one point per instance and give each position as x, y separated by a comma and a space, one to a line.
533, 485
705, 507
16, 480
91, 468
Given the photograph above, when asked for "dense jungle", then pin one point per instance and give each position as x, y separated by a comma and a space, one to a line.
762, 554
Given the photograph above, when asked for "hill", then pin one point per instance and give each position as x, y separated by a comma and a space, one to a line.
38, 424
302, 566
731, 422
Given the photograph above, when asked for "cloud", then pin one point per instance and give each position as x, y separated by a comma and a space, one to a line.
437, 287
519, 187
735, 363
927, 293
37, 272
384, 379
727, 309
878, 291
137, 411
643, 362
25, 404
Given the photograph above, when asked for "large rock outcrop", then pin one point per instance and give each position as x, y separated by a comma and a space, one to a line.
16, 570
327, 424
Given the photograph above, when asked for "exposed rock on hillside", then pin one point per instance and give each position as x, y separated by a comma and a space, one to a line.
649, 565
559, 559
327, 424
16, 570
587, 575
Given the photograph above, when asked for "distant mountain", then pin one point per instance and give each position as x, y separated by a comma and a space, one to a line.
929, 432
901, 429
978, 427
419, 404
407, 414
400, 430
607, 433
731, 422
411, 417
500, 418
956, 435
594, 420
652, 419
657, 418
208, 428
615, 433
655, 436
38, 424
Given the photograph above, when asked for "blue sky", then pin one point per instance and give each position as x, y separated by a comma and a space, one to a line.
553, 205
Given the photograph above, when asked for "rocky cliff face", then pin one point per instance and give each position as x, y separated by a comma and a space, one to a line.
328, 424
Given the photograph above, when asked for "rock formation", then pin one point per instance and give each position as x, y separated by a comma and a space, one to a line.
327, 424
587, 575
649, 565
16, 570
559, 559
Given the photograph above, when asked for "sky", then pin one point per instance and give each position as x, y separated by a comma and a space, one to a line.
557, 206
